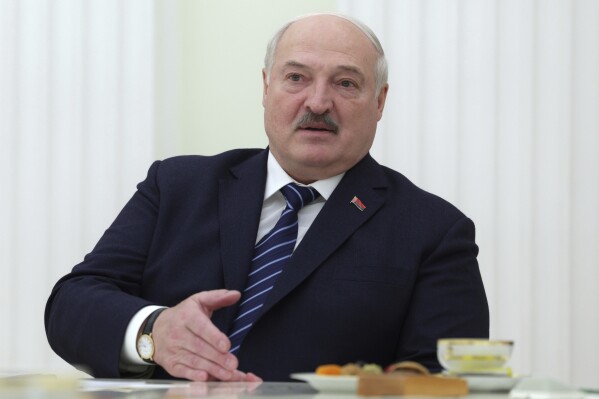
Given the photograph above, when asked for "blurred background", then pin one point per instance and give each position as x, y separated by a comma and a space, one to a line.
493, 105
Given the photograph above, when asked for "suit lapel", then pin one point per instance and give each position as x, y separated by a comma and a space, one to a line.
338, 219
241, 195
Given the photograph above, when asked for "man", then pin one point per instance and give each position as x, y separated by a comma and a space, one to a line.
379, 270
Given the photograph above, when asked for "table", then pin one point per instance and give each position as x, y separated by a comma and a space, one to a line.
51, 387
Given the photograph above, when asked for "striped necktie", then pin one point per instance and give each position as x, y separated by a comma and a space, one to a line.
271, 254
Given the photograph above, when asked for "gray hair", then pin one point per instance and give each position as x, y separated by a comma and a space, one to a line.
381, 68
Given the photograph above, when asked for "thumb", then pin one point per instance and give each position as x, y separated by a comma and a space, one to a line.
216, 299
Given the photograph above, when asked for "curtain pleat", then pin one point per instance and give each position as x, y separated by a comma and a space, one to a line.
76, 134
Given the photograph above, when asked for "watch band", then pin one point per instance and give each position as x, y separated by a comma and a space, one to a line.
145, 341
149, 324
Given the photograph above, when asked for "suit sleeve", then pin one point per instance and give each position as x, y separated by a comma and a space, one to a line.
89, 309
448, 300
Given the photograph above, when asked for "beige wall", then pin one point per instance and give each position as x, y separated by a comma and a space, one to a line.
208, 75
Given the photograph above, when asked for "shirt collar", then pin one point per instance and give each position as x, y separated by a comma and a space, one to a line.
276, 178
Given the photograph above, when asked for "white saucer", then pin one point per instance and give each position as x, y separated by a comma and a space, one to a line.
329, 383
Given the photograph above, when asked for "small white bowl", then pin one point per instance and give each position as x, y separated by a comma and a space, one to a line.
466, 355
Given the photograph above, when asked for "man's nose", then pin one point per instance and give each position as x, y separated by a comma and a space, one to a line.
319, 99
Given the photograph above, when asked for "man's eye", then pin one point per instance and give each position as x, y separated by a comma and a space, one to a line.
295, 77
347, 83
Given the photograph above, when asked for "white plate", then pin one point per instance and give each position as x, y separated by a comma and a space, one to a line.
329, 383
490, 383
349, 383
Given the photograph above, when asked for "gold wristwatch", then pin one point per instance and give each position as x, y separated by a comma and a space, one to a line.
145, 342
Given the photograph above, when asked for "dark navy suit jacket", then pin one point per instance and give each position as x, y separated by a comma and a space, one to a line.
377, 285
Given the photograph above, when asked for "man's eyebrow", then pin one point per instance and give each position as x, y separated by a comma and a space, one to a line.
344, 68
351, 69
294, 64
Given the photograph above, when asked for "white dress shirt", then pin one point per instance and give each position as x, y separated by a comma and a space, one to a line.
273, 205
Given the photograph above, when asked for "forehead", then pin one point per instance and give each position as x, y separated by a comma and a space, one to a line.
326, 38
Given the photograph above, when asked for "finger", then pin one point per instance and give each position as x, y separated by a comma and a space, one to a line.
181, 371
191, 315
240, 376
192, 361
216, 299
193, 353
203, 328
189, 345
202, 348
173, 340
251, 377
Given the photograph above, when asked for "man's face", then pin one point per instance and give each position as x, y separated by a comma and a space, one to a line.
320, 105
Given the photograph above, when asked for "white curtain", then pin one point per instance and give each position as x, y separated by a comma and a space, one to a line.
76, 126
494, 105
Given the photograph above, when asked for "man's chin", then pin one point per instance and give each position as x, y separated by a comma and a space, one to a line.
316, 168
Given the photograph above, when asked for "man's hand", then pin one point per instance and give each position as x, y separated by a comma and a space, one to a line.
189, 346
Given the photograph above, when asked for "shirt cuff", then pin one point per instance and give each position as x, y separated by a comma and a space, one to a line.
129, 355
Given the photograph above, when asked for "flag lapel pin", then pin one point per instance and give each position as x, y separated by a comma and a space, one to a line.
356, 201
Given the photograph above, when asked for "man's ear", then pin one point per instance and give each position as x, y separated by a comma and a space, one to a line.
382, 97
264, 86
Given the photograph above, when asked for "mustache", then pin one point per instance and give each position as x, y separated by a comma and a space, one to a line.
311, 117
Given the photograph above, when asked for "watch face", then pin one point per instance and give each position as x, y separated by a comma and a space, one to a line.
145, 347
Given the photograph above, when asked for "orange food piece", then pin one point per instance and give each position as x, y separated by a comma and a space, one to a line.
328, 369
